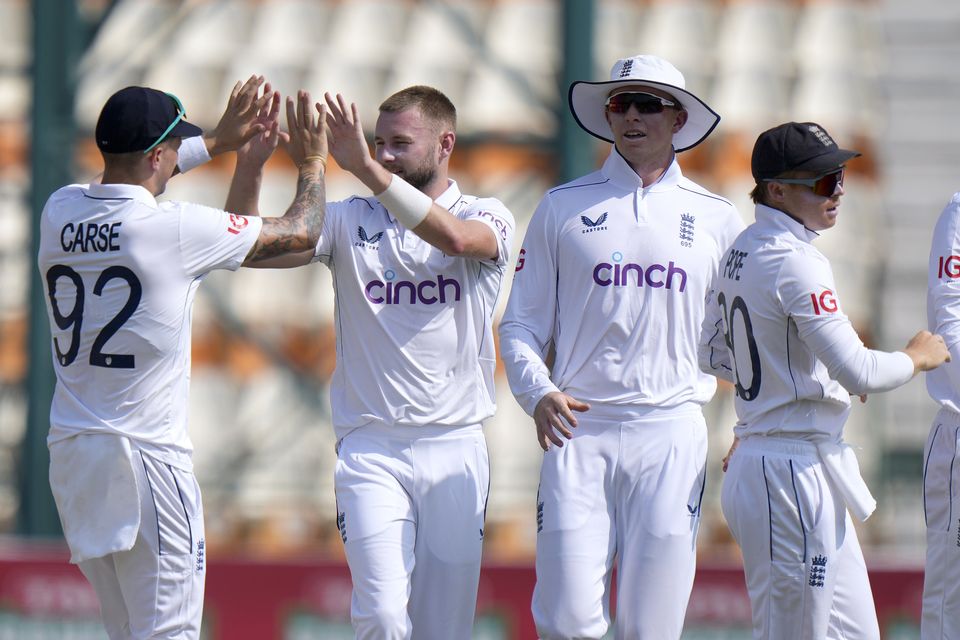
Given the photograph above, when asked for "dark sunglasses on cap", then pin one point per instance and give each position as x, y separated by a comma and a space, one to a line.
181, 114
646, 103
823, 185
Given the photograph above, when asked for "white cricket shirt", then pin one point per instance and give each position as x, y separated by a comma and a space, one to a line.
775, 329
120, 272
414, 326
613, 275
943, 304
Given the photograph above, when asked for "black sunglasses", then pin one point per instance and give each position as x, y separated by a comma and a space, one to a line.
646, 103
823, 185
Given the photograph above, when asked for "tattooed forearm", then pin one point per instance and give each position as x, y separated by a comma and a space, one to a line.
300, 227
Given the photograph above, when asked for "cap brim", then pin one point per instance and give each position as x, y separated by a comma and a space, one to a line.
586, 101
827, 161
184, 129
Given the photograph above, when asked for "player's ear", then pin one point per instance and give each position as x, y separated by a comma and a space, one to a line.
154, 156
681, 120
776, 191
447, 140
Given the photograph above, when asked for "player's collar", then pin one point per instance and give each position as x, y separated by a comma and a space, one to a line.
122, 191
449, 197
620, 173
784, 220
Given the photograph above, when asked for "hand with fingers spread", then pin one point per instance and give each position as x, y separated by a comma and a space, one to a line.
308, 135
258, 149
244, 194
243, 117
348, 146
552, 414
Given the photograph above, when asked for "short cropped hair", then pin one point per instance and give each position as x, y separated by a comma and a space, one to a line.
130, 158
759, 193
433, 104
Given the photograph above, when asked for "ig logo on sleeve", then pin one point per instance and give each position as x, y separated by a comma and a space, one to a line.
824, 302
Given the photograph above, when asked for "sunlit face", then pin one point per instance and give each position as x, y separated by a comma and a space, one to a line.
408, 145
817, 213
642, 136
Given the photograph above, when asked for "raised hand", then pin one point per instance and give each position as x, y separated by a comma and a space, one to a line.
348, 146
308, 135
241, 120
258, 149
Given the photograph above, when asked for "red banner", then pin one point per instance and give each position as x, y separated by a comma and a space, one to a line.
42, 595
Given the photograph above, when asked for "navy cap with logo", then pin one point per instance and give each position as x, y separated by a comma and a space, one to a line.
796, 146
140, 118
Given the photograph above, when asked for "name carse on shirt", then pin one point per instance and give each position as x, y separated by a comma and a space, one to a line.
90, 237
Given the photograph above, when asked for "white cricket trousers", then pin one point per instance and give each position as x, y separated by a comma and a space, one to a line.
627, 486
410, 506
155, 590
804, 568
941, 482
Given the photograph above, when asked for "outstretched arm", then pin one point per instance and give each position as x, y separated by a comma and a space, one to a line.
244, 193
298, 230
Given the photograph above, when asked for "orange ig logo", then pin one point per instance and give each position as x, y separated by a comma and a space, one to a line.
825, 302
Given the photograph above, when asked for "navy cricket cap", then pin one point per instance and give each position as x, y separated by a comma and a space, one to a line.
796, 146
138, 118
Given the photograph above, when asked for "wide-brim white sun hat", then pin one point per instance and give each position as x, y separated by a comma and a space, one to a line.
587, 99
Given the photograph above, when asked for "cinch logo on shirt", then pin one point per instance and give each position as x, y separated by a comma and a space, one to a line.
948, 266
367, 241
405, 291
237, 223
593, 225
497, 222
825, 302
606, 274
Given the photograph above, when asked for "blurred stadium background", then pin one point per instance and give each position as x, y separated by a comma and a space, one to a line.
880, 75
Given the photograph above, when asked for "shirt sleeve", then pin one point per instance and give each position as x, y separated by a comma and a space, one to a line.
495, 215
712, 353
808, 295
214, 239
943, 291
328, 235
526, 331
944, 276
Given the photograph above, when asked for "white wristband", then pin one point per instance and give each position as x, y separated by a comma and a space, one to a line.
407, 204
193, 153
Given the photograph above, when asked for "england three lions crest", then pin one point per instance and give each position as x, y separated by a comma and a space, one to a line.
687, 221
